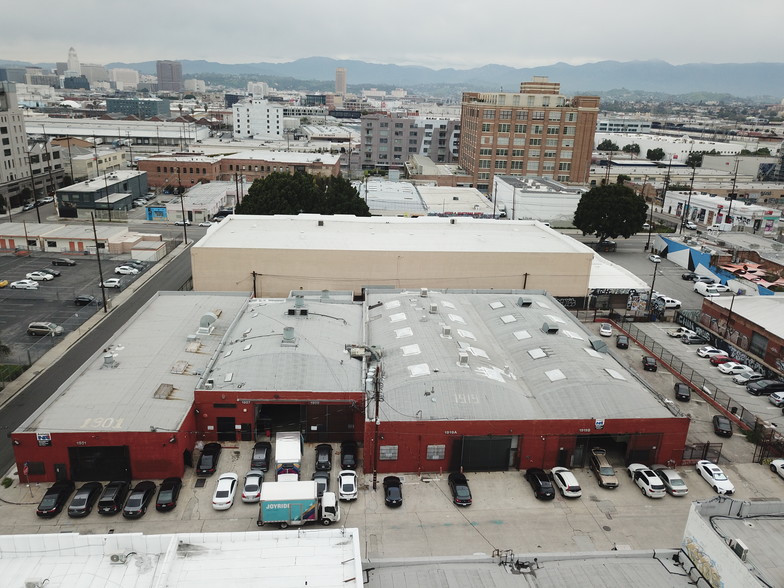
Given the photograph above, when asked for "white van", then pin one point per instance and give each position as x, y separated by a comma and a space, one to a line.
707, 290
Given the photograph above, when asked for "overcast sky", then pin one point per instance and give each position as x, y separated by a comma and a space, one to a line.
432, 33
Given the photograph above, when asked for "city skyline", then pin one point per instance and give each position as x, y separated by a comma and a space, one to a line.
431, 36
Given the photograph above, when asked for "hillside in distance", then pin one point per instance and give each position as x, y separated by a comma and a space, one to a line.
739, 79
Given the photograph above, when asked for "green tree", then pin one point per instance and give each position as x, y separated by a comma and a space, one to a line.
632, 148
622, 178
282, 193
694, 159
609, 211
607, 145
655, 154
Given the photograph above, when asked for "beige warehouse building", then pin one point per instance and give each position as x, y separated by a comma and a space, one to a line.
272, 255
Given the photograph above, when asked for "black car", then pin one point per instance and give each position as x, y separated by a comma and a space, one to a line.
208, 460
324, 457
649, 363
540, 482
113, 497
722, 426
393, 491
622, 342
63, 261
322, 482
167, 494
682, 392
138, 499
48, 270
260, 458
348, 455
84, 499
461, 493
54, 499
689, 276
84, 300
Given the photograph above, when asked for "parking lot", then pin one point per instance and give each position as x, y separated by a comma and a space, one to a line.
504, 513
53, 301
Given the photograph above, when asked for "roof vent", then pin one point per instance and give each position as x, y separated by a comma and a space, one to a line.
433, 307
599, 345
289, 339
549, 328
108, 361
524, 302
205, 323
423, 292
462, 358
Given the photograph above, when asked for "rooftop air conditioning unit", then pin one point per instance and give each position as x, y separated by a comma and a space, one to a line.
524, 302
209, 384
446, 331
423, 292
739, 548
433, 307
462, 358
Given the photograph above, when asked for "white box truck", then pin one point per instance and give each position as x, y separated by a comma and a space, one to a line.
288, 453
296, 503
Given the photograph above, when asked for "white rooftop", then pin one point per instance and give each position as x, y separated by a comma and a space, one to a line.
396, 197
606, 275
58, 231
284, 559
351, 233
471, 355
145, 375
455, 201
100, 182
284, 156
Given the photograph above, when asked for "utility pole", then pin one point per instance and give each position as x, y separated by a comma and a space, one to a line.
732, 194
98, 256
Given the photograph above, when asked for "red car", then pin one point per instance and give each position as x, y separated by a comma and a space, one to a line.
719, 359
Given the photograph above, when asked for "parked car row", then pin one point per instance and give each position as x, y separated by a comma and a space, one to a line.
742, 374
116, 496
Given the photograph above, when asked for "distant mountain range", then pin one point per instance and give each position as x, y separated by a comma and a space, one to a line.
747, 80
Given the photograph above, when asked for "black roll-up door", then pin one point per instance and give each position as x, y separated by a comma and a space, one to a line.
100, 463
482, 453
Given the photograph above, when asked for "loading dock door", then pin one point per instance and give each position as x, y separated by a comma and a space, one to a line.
100, 463
482, 453
226, 430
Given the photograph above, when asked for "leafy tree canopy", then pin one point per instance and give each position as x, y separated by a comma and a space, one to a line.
607, 145
632, 148
609, 211
695, 159
282, 193
655, 154
622, 178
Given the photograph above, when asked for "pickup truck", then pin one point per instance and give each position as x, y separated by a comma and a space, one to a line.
680, 332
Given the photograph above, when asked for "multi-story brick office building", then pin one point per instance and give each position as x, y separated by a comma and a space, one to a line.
388, 140
537, 131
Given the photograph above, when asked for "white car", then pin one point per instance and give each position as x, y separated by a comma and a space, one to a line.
715, 477
777, 399
251, 491
777, 465
672, 480
720, 287
347, 485
733, 367
647, 481
24, 285
126, 270
185, 223
39, 276
746, 377
690, 225
654, 258
205, 224
605, 330
225, 490
567, 483
111, 283
709, 351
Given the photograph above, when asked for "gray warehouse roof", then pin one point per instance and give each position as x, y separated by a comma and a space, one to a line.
145, 375
482, 356
261, 353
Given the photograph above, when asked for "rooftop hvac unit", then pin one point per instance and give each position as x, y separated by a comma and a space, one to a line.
462, 358
524, 302
209, 384
118, 558
446, 331
423, 292
433, 307
549, 328
740, 549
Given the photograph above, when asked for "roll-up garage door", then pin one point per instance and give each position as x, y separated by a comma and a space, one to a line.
482, 453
